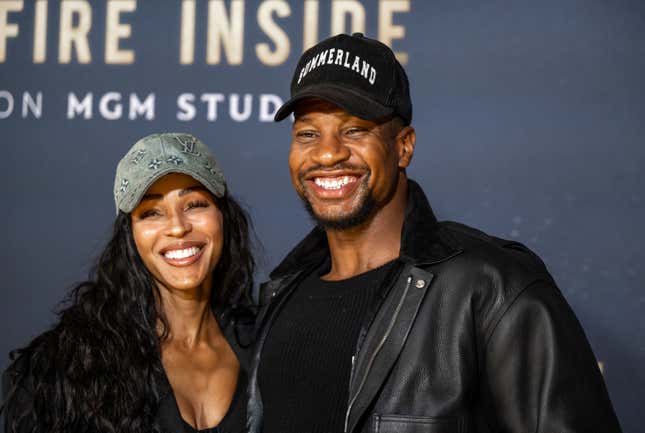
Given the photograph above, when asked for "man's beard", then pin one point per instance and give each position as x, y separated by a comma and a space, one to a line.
354, 219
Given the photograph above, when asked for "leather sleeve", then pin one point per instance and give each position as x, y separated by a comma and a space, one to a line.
540, 372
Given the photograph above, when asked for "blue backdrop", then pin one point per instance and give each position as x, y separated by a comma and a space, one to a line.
530, 120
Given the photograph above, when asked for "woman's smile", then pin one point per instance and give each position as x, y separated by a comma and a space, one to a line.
183, 253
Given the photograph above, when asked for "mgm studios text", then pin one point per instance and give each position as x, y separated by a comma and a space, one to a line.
239, 107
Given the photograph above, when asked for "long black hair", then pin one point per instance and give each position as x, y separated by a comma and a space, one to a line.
98, 369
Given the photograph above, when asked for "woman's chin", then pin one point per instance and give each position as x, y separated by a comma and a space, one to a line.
187, 285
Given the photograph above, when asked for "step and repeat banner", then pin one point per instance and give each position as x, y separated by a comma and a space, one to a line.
530, 119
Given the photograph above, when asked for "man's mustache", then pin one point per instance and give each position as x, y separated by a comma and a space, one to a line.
336, 167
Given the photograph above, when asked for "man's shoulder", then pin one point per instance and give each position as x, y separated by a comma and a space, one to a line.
497, 268
481, 248
489, 273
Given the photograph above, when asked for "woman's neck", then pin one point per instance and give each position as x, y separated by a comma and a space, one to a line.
191, 321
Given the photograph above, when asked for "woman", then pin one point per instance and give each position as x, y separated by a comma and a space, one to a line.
155, 340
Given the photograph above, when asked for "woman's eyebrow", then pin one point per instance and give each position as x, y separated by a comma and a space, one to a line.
152, 197
191, 189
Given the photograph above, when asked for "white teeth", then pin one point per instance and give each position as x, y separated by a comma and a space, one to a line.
181, 254
334, 182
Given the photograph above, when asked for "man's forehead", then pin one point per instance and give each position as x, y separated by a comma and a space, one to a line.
316, 105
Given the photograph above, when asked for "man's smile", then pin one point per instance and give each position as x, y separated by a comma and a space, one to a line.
333, 184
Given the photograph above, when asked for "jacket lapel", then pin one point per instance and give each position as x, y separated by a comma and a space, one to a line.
385, 340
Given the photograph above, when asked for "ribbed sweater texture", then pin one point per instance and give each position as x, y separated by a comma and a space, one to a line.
306, 359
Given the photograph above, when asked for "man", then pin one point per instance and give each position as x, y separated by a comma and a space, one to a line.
383, 319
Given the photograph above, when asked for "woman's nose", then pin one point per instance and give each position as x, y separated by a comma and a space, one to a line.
178, 225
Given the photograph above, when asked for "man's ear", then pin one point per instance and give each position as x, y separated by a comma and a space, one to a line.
405, 141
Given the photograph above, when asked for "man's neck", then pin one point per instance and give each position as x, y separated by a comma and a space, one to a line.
373, 243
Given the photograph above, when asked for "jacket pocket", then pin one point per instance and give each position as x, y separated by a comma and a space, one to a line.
413, 424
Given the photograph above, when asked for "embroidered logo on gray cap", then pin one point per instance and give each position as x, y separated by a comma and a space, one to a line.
138, 156
188, 144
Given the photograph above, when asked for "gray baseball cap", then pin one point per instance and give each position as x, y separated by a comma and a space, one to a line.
155, 156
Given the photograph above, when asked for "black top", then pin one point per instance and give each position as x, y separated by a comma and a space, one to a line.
306, 361
237, 328
235, 419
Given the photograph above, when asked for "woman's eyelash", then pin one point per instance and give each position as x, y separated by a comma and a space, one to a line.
148, 213
197, 203
190, 205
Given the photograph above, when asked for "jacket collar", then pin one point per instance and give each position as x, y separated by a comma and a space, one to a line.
422, 240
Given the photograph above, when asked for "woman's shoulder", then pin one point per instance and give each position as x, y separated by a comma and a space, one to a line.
39, 354
28, 366
17, 398
38, 358
44, 361
11, 378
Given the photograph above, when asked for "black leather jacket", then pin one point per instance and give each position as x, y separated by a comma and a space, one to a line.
471, 335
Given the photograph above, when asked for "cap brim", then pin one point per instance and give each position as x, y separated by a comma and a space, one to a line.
132, 201
349, 100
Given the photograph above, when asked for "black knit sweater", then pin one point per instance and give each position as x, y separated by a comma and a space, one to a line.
306, 360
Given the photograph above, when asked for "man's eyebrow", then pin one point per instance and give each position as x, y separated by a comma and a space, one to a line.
307, 118
303, 118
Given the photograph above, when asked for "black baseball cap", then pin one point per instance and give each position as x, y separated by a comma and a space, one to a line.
359, 74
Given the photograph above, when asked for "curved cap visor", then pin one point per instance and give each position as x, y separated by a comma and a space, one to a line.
129, 203
349, 100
